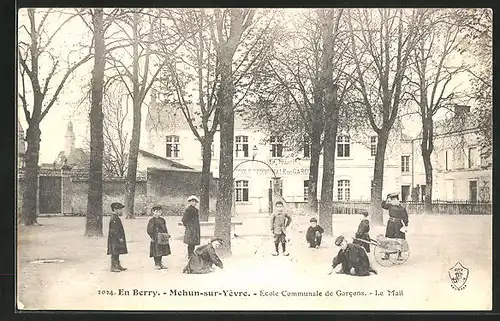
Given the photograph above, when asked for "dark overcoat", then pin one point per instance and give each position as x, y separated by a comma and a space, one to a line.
157, 225
354, 256
191, 220
202, 260
363, 234
117, 243
397, 217
311, 233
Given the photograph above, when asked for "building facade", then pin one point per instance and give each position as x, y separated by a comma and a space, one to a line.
168, 134
460, 172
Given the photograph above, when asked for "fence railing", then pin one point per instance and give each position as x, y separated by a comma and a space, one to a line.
438, 207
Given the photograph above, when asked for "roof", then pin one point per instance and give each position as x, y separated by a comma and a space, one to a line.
166, 160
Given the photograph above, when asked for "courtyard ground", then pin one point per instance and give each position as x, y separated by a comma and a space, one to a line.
437, 243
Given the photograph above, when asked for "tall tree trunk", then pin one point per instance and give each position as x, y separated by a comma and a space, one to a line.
427, 147
225, 190
428, 182
205, 179
132, 161
30, 188
378, 178
136, 124
329, 145
314, 170
94, 200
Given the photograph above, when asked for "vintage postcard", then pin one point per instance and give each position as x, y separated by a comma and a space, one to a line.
254, 159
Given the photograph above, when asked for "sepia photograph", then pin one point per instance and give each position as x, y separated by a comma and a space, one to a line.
228, 159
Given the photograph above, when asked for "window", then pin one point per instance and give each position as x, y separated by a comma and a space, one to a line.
473, 191
306, 190
373, 146
241, 191
472, 157
405, 164
307, 147
276, 146
241, 146
344, 190
405, 192
173, 146
343, 146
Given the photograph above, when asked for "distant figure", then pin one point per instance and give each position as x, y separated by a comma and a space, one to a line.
314, 233
279, 222
397, 217
191, 220
352, 258
363, 232
157, 231
204, 257
117, 244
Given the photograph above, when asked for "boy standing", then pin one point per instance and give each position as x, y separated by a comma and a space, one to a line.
314, 234
279, 222
363, 232
117, 244
157, 231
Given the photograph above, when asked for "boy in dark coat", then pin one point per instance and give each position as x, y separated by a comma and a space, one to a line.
314, 233
191, 220
159, 246
117, 244
279, 222
397, 217
363, 232
204, 257
353, 259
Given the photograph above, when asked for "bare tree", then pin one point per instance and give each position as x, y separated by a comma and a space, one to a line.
116, 134
227, 30
381, 43
139, 27
434, 69
35, 52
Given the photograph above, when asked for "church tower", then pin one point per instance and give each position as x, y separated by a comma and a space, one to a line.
21, 144
69, 139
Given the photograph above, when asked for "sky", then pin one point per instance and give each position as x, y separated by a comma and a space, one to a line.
71, 106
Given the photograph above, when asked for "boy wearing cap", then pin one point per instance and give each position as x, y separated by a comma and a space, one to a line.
397, 217
279, 222
353, 259
204, 257
191, 221
117, 244
314, 233
363, 232
157, 231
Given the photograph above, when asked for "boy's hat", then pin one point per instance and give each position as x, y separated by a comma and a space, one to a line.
393, 195
157, 208
116, 206
339, 240
313, 220
193, 198
364, 212
213, 239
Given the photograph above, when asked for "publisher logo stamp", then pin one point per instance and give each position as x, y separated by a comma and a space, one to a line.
458, 276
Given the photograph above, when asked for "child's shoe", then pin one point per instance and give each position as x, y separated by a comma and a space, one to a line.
286, 253
275, 254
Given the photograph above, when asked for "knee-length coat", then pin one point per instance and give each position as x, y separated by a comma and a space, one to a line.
117, 243
157, 225
354, 256
191, 220
397, 217
363, 234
